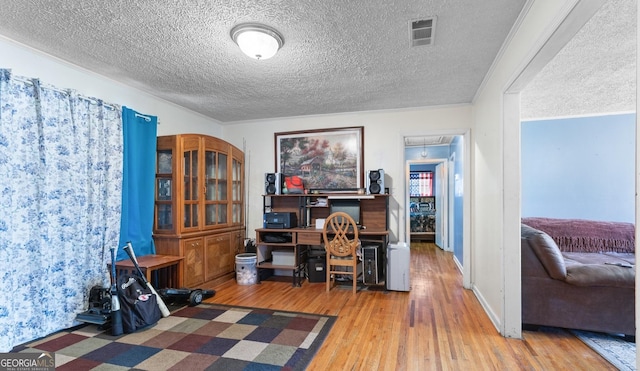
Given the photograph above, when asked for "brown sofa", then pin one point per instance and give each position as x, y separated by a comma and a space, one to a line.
578, 274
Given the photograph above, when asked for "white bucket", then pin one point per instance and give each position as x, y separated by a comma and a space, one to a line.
246, 269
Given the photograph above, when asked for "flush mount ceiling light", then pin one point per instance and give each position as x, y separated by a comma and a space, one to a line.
256, 40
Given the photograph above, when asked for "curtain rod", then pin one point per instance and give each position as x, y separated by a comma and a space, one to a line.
88, 99
146, 118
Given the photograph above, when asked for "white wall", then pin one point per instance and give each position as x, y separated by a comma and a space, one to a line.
28, 62
496, 208
383, 148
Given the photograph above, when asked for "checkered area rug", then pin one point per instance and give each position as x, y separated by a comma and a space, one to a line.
207, 336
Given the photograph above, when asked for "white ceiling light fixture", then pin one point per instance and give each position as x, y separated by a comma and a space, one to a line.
256, 40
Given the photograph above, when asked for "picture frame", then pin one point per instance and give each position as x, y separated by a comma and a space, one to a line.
326, 159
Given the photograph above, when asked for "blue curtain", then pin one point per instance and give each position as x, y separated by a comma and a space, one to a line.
138, 183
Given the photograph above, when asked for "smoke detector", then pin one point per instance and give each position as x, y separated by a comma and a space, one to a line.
422, 31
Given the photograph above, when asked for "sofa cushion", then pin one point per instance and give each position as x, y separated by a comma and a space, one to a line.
549, 254
600, 269
599, 258
603, 275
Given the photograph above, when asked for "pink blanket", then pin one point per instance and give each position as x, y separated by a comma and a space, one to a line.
578, 235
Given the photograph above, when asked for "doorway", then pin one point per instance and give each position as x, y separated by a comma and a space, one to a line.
444, 156
548, 49
427, 202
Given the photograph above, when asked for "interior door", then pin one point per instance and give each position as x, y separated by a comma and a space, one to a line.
441, 206
451, 211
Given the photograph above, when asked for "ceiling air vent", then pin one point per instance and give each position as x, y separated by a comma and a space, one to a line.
422, 31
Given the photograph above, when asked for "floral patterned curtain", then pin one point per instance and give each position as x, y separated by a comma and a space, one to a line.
60, 200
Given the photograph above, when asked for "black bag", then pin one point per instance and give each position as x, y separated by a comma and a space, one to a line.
139, 307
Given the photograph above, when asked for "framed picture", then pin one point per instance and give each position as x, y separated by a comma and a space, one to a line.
326, 159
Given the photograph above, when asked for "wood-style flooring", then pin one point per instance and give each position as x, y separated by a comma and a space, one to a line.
438, 325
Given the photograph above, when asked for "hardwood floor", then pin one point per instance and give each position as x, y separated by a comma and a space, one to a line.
438, 325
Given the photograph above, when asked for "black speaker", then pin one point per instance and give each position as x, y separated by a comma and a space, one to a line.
375, 182
273, 183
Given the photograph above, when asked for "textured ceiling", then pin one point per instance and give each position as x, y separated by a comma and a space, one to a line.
594, 73
338, 56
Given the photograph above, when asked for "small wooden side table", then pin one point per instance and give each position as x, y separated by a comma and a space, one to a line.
163, 271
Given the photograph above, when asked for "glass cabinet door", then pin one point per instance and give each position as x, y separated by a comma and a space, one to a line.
216, 188
210, 166
211, 174
236, 191
222, 189
164, 190
190, 188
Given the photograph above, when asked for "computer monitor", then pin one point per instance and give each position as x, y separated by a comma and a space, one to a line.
351, 207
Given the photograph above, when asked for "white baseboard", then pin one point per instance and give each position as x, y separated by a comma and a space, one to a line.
487, 309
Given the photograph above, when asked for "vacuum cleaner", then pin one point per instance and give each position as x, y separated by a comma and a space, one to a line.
191, 296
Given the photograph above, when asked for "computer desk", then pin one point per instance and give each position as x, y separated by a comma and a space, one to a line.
298, 241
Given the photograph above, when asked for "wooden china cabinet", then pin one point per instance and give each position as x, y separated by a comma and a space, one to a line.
199, 206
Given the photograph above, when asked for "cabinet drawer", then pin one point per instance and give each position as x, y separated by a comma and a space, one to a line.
309, 238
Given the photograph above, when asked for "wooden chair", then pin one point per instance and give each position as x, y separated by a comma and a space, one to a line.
340, 235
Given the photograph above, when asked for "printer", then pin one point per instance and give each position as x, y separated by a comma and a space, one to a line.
277, 220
